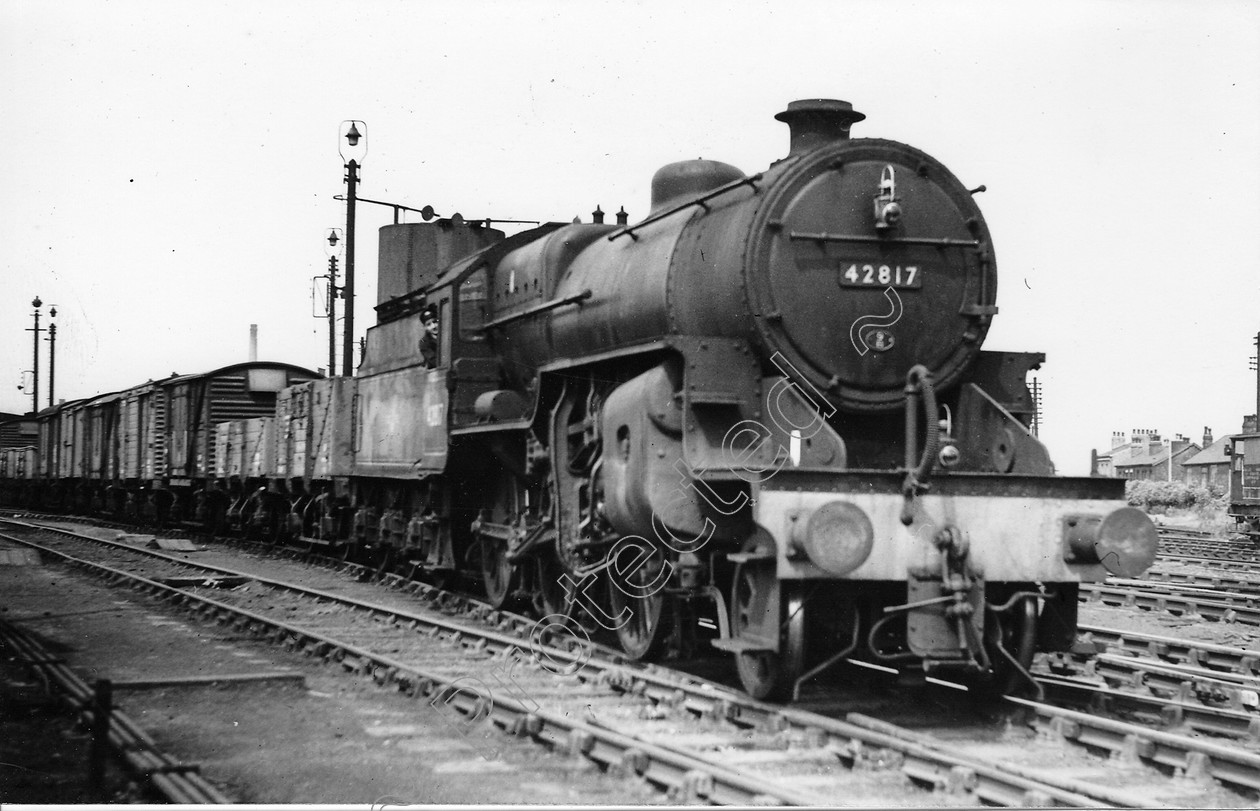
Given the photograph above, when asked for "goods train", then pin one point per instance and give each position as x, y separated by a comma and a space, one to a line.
759, 418
147, 452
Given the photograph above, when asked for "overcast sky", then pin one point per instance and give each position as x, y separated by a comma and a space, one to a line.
171, 167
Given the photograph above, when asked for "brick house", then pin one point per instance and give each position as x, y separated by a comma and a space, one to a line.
1144, 456
1210, 466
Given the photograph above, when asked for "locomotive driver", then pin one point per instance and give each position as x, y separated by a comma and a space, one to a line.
429, 343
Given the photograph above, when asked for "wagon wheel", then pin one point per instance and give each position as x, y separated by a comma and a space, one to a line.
637, 590
767, 675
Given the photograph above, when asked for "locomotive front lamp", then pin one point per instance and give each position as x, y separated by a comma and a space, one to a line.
887, 208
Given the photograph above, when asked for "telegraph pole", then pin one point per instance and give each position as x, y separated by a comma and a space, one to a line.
332, 249
332, 316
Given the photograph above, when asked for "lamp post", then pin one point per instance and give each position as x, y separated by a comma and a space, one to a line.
332, 248
35, 382
52, 354
353, 132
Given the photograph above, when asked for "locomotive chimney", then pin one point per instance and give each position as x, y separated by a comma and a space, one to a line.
817, 122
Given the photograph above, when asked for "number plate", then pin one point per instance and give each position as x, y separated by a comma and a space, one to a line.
866, 274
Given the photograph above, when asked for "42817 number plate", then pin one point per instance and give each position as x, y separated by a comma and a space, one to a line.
865, 274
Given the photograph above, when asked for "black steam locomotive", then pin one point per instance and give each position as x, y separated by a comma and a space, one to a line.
762, 410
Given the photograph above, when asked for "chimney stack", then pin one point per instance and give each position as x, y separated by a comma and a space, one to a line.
818, 122
1207, 437
253, 342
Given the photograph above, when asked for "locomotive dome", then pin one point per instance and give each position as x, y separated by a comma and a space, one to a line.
677, 182
866, 257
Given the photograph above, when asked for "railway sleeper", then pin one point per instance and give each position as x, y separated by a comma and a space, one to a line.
697, 787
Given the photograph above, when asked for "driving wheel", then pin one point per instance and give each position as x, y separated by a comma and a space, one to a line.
637, 590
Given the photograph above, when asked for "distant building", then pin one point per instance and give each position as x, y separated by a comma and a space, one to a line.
17, 430
1101, 465
1144, 456
1210, 466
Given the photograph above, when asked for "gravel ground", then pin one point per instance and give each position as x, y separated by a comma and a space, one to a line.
335, 739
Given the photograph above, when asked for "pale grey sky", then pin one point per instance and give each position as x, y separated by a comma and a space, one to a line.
172, 166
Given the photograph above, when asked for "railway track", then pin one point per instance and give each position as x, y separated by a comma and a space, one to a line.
144, 760
1214, 658
1232, 582
696, 739
1156, 693
1207, 546
1209, 604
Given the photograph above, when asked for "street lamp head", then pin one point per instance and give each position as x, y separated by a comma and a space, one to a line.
332, 243
53, 311
37, 303
354, 144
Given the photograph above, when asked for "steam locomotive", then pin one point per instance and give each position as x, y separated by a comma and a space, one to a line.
763, 410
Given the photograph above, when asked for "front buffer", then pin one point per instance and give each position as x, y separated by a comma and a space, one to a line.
969, 579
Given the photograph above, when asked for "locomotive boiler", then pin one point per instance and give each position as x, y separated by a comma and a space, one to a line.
763, 408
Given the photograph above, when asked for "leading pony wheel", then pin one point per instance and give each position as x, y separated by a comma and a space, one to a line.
765, 674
